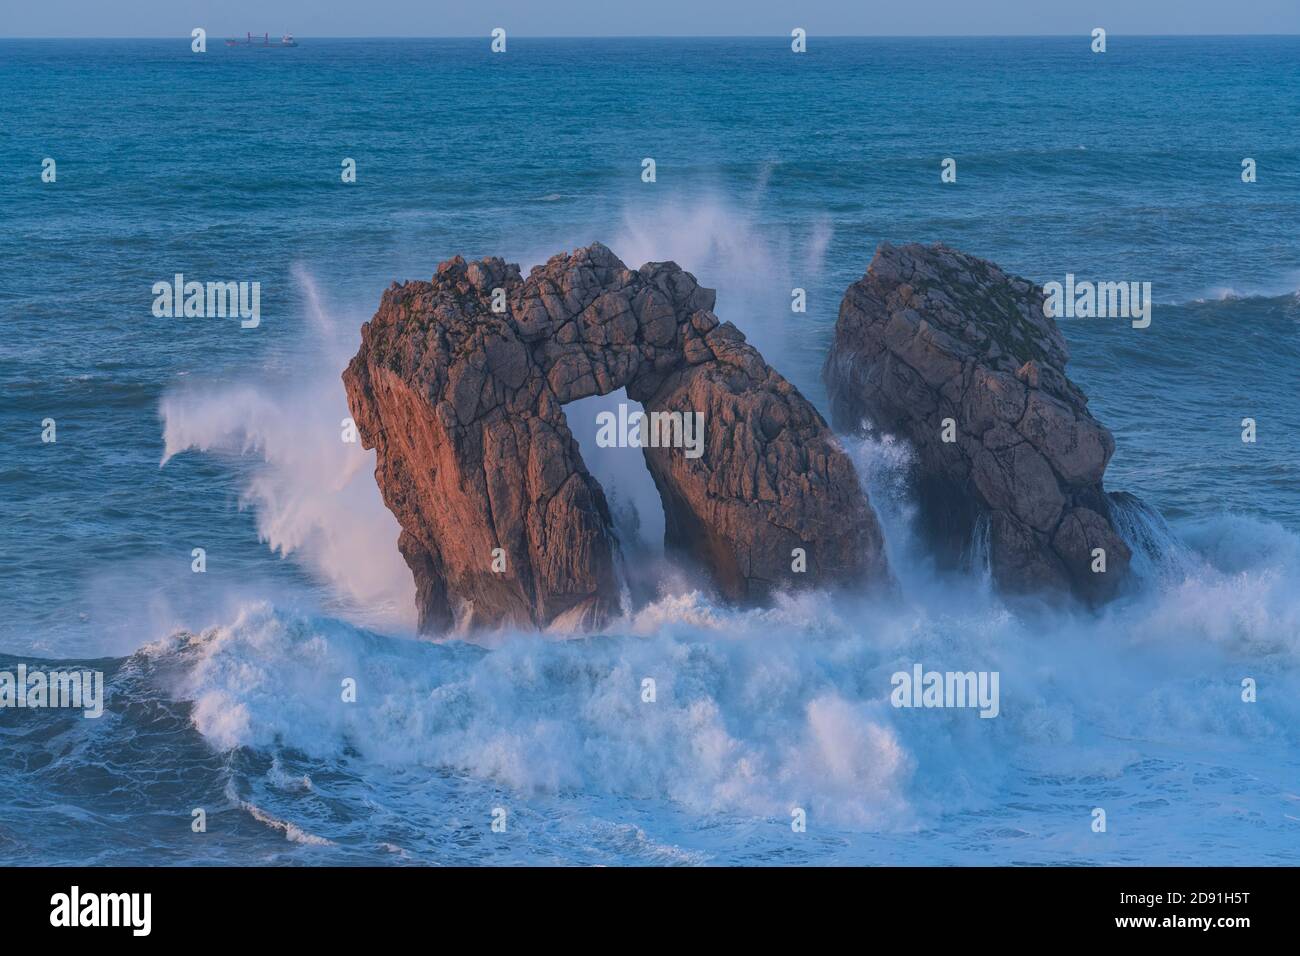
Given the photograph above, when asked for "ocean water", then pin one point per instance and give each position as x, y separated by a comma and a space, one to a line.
774, 171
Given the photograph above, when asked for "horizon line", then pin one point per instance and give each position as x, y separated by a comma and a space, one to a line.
703, 36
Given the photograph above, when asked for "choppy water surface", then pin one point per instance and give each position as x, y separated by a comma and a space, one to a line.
774, 171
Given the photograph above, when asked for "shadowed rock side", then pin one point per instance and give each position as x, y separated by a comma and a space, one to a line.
930, 334
464, 405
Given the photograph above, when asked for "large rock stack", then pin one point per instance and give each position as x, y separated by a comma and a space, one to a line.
956, 356
501, 522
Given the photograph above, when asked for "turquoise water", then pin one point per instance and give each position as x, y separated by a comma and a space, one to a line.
773, 171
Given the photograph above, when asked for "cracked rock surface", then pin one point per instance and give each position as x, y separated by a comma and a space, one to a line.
502, 524
932, 337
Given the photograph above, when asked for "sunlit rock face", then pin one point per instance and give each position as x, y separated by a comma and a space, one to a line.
460, 385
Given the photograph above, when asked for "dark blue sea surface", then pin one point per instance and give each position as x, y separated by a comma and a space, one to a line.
773, 171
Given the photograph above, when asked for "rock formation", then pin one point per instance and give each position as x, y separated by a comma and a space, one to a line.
501, 522
931, 337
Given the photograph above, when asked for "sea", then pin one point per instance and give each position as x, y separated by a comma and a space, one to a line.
1163, 728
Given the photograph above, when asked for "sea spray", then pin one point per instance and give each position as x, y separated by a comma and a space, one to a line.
759, 711
726, 246
314, 494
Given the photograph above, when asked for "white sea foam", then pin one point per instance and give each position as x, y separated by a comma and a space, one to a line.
292, 832
1287, 284
314, 494
761, 711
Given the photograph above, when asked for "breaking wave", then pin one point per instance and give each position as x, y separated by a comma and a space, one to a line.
757, 712
314, 493
1137, 707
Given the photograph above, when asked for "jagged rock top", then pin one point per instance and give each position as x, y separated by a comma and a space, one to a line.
970, 309
459, 384
589, 322
959, 357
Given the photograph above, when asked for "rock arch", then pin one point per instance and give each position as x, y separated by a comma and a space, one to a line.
464, 406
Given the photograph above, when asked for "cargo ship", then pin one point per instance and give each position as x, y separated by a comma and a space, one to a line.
286, 40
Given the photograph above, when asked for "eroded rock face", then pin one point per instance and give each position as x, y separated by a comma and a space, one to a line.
931, 335
464, 405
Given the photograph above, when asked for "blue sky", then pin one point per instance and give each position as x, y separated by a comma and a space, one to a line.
160, 18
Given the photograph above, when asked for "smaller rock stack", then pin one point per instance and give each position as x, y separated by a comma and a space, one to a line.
954, 355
